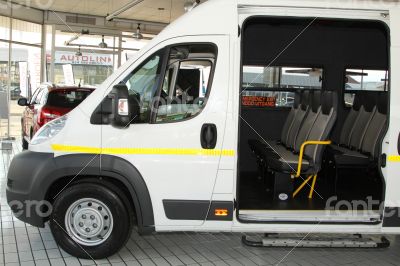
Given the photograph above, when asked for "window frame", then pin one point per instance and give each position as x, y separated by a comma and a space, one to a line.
161, 66
164, 69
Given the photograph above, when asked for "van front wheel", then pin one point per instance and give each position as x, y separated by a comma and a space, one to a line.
91, 221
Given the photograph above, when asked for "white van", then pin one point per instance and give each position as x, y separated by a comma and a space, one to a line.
241, 116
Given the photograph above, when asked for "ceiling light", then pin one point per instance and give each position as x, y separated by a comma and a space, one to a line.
138, 35
103, 44
78, 53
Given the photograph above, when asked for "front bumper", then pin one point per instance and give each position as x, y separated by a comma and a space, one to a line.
25, 193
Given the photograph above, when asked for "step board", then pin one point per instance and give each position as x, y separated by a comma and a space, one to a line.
355, 241
310, 216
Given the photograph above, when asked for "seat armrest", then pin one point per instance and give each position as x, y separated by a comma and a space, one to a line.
302, 148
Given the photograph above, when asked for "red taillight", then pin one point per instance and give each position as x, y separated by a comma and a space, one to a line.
47, 114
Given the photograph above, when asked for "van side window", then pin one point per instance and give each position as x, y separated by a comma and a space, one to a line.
187, 82
364, 80
142, 84
272, 86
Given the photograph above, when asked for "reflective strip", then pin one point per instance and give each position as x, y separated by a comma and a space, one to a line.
394, 158
142, 151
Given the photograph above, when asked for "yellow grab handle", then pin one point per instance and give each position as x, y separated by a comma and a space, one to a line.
302, 148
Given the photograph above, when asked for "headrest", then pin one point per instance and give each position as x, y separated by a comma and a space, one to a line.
297, 99
369, 101
358, 99
328, 101
316, 100
382, 102
305, 99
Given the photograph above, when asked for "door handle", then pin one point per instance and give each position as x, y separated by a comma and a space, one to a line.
208, 136
398, 144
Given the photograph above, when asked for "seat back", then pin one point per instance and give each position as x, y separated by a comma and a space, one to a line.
298, 119
374, 133
366, 113
309, 121
348, 126
289, 120
322, 128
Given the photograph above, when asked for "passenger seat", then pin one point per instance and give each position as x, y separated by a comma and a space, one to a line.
356, 123
290, 128
317, 127
369, 148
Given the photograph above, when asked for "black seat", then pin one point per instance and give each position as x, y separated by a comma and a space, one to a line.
360, 126
368, 152
316, 127
296, 113
310, 142
348, 126
303, 132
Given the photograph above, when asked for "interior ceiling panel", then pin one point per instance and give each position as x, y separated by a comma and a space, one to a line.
151, 10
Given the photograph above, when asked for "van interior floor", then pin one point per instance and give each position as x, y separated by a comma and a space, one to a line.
353, 185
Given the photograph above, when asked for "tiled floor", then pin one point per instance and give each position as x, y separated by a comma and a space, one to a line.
21, 244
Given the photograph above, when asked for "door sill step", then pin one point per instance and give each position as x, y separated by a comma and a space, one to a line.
310, 216
354, 241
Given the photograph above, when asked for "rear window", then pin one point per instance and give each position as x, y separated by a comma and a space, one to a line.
67, 98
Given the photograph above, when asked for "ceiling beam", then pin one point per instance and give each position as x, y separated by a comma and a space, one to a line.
123, 9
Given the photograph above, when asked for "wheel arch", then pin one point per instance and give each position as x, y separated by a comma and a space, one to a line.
77, 167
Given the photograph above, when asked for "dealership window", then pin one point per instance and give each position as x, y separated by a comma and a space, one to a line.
89, 63
186, 82
4, 28
26, 32
130, 46
20, 74
25, 64
273, 86
364, 80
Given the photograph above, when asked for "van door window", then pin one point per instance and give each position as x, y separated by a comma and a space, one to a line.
273, 86
142, 84
364, 80
186, 83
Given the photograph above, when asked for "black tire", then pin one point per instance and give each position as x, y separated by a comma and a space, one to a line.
113, 198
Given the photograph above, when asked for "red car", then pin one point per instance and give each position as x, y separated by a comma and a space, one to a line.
47, 103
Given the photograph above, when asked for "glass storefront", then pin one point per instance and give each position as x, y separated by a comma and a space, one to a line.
3, 88
20, 70
26, 62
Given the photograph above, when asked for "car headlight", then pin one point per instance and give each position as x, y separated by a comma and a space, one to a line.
49, 130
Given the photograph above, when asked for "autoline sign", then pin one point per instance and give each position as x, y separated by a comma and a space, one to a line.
64, 57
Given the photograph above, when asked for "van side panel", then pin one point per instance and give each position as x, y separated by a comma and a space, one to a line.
391, 143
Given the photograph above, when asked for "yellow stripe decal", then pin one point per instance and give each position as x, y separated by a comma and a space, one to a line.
142, 151
394, 158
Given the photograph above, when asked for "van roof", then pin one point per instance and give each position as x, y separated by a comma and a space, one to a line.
334, 4
221, 16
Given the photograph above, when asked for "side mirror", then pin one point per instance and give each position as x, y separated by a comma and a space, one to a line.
120, 115
23, 102
118, 109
